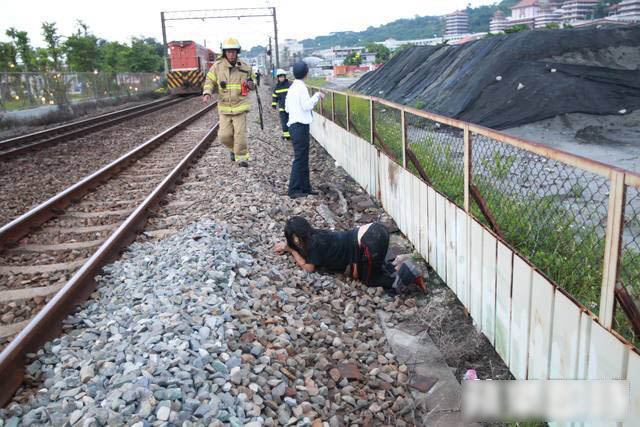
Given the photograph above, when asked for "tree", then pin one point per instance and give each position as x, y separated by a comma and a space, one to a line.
23, 48
142, 57
113, 56
54, 47
353, 59
381, 51
8, 57
81, 50
516, 29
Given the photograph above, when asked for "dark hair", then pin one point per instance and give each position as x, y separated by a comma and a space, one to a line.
300, 70
296, 225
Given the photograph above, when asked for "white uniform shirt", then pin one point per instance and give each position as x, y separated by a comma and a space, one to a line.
299, 104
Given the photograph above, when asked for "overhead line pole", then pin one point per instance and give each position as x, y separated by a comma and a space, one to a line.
164, 44
275, 31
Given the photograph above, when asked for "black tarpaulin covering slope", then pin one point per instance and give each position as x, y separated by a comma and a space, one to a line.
460, 81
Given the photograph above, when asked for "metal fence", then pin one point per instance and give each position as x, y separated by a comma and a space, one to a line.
29, 90
576, 220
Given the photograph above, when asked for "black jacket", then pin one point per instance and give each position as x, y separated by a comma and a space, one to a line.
280, 94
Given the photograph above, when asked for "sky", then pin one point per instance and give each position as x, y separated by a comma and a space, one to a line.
118, 20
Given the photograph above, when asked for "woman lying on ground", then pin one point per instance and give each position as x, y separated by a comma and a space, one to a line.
359, 253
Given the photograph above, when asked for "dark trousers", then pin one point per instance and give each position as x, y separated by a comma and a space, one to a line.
284, 118
299, 179
373, 270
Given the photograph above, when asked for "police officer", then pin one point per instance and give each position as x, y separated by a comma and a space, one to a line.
232, 78
279, 97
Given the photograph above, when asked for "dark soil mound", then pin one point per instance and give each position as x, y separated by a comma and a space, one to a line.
510, 80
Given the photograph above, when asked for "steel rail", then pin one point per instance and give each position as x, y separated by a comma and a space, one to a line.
20, 144
48, 322
13, 231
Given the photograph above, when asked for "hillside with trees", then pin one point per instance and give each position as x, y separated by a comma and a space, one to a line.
418, 27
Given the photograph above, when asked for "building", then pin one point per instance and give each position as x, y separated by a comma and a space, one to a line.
628, 10
392, 44
574, 11
498, 23
457, 23
548, 14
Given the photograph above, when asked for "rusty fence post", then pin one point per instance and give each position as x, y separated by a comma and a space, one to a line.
467, 169
612, 246
372, 120
403, 123
348, 113
333, 106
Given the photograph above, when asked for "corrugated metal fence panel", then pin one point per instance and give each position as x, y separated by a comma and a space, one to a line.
462, 257
538, 330
451, 258
609, 364
633, 376
520, 310
504, 273
608, 359
416, 213
424, 221
541, 320
441, 242
475, 273
564, 339
584, 342
433, 237
489, 260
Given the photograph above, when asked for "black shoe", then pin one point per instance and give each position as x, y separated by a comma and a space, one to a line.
313, 193
243, 164
297, 195
232, 156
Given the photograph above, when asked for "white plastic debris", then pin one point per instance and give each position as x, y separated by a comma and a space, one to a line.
623, 111
470, 375
520, 86
498, 78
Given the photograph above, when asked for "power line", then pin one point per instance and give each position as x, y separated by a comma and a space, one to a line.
228, 13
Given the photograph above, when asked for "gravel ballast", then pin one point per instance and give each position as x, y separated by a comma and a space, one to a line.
192, 331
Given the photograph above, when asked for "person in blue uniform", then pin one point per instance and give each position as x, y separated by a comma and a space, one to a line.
279, 98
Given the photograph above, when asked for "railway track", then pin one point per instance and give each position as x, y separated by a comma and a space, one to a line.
56, 249
21, 144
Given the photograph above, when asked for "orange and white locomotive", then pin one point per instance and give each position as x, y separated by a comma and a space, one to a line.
189, 65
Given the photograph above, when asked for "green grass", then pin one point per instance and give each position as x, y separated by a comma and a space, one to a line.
543, 229
316, 81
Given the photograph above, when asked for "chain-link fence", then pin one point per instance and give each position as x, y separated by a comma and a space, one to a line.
388, 130
435, 152
340, 109
326, 105
360, 117
28, 90
629, 269
552, 213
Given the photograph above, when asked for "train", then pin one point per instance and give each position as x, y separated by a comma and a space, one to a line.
190, 63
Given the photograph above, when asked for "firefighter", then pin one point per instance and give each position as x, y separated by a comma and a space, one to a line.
232, 79
279, 98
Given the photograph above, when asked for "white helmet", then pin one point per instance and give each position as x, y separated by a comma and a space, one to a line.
281, 72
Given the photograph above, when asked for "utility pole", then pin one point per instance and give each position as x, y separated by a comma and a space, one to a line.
164, 44
270, 58
275, 32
